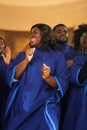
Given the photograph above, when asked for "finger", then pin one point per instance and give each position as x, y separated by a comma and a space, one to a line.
44, 64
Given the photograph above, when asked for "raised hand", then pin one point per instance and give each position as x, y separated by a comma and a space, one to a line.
7, 55
23, 64
29, 54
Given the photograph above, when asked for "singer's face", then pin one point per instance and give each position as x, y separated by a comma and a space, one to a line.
35, 37
61, 34
2, 46
85, 44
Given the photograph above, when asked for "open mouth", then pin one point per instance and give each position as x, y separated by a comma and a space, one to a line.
33, 40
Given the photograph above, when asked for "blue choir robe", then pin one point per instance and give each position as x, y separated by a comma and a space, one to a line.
68, 51
32, 103
4, 89
69, 54
76, 115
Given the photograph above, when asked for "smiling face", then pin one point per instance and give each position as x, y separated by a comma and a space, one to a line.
85, 44
35, 37
61, 34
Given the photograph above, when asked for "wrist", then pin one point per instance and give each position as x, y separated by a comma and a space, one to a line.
26, 61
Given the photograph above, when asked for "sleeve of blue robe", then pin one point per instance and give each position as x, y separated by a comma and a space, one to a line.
70, 53
12, 67
62, 77
3, 68
4, 89
62, 74
74, 72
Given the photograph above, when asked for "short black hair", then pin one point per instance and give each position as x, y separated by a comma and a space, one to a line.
54, 28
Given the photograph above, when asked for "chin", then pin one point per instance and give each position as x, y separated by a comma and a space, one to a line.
31, 44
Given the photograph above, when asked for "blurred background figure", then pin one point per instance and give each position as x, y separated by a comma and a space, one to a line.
82, 28
5, 58
76, 114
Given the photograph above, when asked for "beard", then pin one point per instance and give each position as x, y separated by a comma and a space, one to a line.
61, 42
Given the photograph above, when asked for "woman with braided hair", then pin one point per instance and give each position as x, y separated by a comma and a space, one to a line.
76, 115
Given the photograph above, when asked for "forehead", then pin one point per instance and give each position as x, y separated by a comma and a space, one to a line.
35, 29
61, 28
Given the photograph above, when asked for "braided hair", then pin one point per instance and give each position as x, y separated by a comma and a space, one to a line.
77, 36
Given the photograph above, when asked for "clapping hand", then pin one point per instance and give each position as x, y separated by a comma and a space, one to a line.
45, 71
7, 55
29, 54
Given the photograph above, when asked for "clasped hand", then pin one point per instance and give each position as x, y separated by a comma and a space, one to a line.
45, 71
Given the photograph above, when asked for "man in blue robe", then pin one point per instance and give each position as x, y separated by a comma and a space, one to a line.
61, 36
38, 79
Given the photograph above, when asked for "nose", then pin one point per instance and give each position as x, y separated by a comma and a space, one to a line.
0, 44
62, 32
